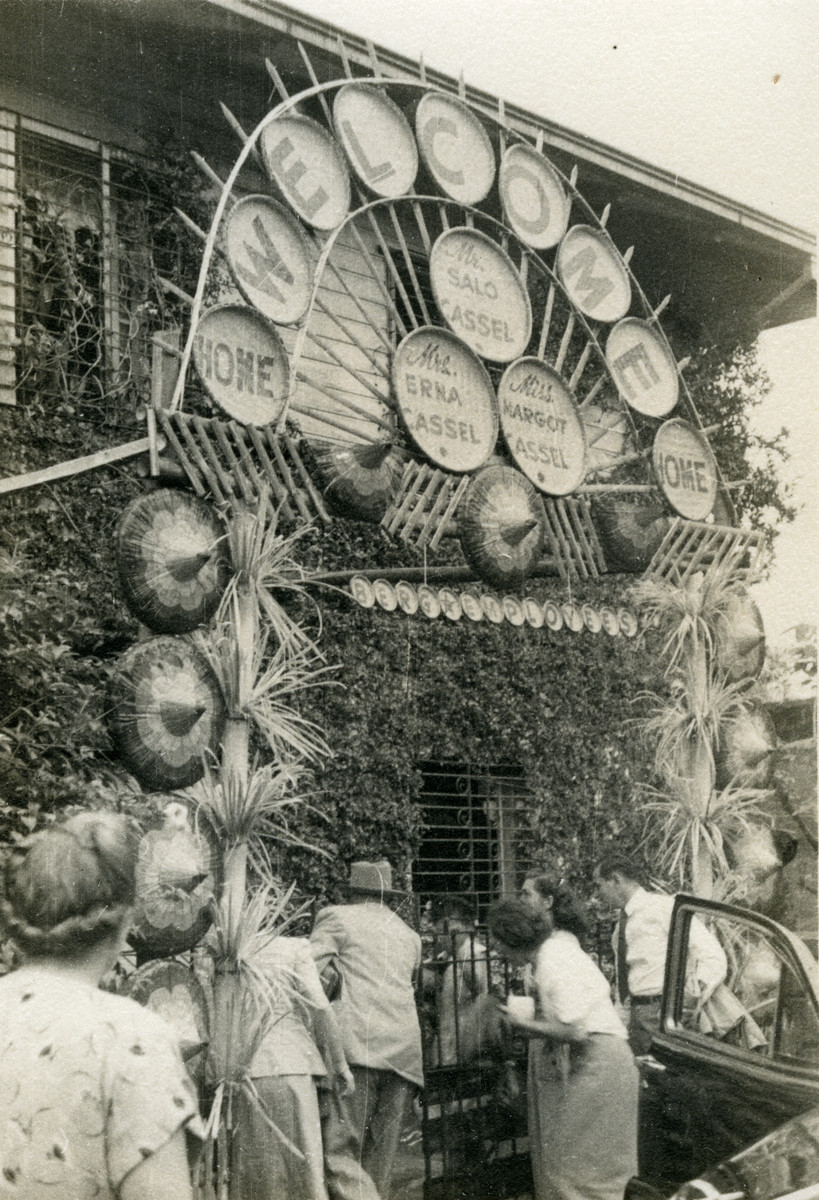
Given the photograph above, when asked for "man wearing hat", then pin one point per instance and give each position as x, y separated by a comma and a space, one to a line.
376, 956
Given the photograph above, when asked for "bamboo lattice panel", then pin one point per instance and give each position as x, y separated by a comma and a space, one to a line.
692, 546
424, 504
573, 539
242, 463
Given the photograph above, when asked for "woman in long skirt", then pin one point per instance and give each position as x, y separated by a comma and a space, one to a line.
583, 1083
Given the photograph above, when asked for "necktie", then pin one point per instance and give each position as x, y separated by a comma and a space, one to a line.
621, 964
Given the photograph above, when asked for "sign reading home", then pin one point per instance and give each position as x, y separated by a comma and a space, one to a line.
445, 398
480, 295
541, 425
242, 362
686, 469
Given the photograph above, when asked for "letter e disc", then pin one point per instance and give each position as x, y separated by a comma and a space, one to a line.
445, 398
542, 427
377, 139
270, 258
455, 148
593, 273
534, 200
306, 164
686, 469
242, 362
642, 367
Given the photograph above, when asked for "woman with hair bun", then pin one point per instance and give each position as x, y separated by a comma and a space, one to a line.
94, 1099
583, 1083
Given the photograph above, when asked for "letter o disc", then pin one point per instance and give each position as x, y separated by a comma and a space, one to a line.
307, 166
542, 427
480, 295
535, 203
445, 398
270, 258
642, 367
242, 362
455, 148
685, 468
377, 139
593, 273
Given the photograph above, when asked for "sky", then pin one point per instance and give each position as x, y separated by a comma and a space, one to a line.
724, 94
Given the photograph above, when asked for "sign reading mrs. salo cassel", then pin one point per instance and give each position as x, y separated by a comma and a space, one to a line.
593, 273
270, 258
541, 426
445, 398
455, 148
686, 469
377, 139
307, 166
642, 367
242, 362
480, 295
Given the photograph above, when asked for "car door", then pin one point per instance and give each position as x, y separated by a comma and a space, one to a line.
722, 1074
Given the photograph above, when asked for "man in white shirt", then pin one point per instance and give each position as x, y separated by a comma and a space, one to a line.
640, 944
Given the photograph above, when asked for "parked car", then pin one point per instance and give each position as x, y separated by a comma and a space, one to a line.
742, 1067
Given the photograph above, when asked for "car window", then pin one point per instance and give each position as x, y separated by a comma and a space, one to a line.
762, 1006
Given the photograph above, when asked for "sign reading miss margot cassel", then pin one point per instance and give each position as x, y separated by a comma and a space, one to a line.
445, 398
686, 469
242, 362
542, 427
480, 295
270, 258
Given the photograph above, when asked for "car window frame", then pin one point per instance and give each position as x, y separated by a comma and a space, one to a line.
786, 944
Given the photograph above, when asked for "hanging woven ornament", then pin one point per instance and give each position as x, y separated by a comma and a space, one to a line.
360, 480
501, 524
746, 748
172, 559
176, 994
740, 638
165, 712
177, 877
630, 531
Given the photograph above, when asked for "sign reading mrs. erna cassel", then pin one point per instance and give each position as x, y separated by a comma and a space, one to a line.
541, 426
445, 398
534, 200
455, 147
307, 166
480, 295
593, 273
242, 362
270, 258
686, 469
643, 368
377, 139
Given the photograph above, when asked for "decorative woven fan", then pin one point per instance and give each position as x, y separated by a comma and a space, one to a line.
177, 877
501, 525
741, 638
745, 754
166, 711
361, 479
630, 531
176, 994
172, 559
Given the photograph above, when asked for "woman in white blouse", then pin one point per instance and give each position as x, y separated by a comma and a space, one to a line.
583, 1082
